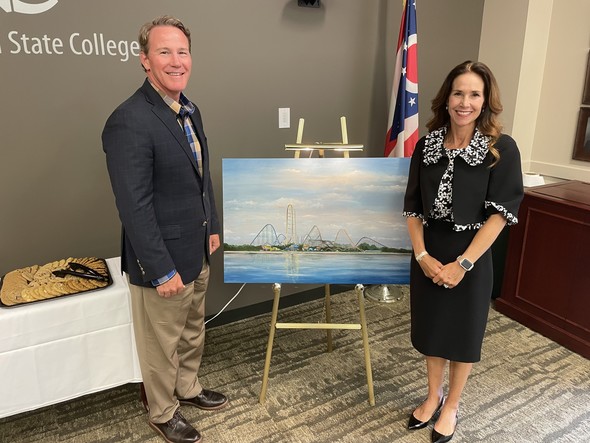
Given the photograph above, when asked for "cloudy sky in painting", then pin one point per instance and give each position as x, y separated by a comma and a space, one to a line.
364, 196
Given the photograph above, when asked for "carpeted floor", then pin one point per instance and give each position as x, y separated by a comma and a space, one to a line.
526, 389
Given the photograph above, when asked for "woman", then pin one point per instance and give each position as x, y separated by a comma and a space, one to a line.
464, 186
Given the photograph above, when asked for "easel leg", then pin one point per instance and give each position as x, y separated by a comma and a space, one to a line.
271, 335
359, 290
328, 315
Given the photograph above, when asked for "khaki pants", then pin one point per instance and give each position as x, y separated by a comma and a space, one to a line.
170, 336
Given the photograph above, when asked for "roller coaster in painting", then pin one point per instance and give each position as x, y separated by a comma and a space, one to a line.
268, 238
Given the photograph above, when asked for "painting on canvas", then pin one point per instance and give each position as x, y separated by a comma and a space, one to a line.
315, 220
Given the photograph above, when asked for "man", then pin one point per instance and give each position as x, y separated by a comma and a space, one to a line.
158, 163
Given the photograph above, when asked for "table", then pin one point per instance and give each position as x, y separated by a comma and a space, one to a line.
64, 348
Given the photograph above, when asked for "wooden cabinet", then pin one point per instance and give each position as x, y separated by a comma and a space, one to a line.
547, 275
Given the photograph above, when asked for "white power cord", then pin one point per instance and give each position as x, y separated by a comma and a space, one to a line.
227, 304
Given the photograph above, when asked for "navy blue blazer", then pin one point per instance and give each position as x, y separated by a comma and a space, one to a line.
166, 209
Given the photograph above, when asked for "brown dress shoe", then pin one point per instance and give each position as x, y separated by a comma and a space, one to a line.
177, 430
208, 400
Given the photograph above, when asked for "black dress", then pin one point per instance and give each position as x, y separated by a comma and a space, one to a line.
453, 192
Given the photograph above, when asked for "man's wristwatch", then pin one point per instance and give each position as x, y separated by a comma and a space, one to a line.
464, 263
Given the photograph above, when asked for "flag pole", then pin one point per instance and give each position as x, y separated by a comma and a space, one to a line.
402, 133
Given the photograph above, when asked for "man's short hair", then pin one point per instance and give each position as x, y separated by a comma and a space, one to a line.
164, 20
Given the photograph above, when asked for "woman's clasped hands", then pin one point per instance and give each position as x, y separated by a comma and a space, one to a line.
448, 276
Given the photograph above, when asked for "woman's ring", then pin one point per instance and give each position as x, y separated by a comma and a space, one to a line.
446, 286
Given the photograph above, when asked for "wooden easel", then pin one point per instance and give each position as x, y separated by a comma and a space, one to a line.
344, 147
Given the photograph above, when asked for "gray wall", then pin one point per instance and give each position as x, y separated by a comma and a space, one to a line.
249, 59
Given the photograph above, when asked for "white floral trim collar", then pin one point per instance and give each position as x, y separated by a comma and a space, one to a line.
473, 154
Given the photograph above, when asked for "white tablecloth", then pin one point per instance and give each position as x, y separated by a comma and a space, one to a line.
64, 348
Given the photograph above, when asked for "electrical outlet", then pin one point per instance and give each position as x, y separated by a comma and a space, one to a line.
284, 117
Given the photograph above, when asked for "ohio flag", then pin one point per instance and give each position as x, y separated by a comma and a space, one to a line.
403, 107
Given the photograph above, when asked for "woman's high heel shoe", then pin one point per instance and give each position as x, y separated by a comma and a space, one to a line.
414, 423
437, 437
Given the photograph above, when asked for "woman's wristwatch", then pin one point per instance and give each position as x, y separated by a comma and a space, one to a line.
465, 263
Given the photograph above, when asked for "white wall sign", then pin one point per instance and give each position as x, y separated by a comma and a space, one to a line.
96, 44
21, 43
23, 7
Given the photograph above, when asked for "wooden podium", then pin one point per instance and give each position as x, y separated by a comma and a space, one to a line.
547, 274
